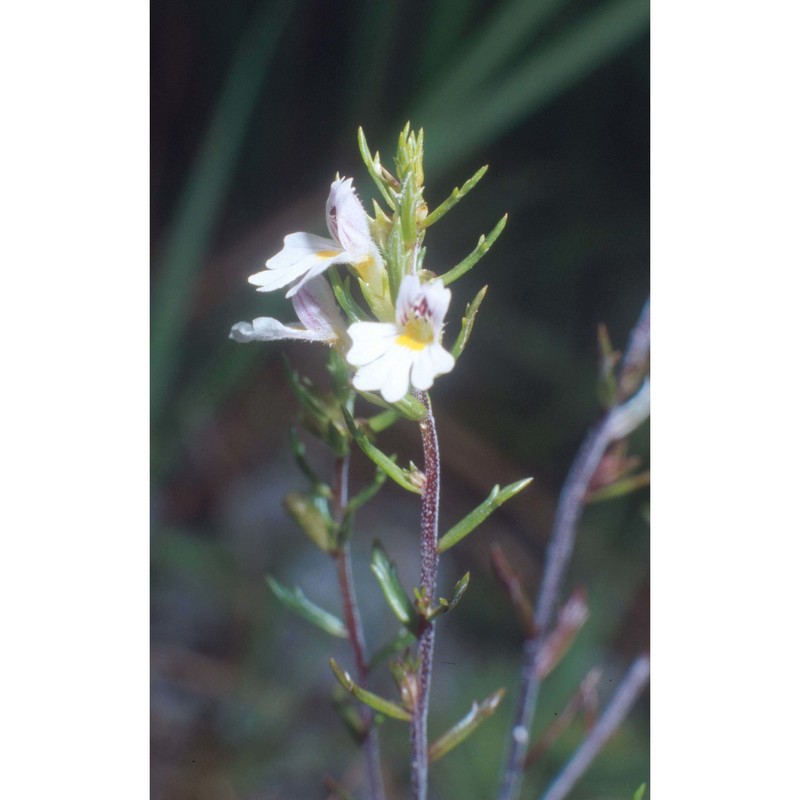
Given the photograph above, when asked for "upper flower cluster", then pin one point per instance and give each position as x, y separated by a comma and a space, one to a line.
390, 357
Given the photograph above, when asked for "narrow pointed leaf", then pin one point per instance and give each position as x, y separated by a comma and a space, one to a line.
639, 793
448, 605
379, 458
374, 701
482, 248
374, 168
341, 291
380, 422
457, 194
311, 514
299, 452
295, 600
409, 407
620, 488
495, 499
386, 573
466, 727
467, 321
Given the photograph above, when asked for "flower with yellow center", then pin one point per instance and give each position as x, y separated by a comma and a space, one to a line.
389, 355
305, 255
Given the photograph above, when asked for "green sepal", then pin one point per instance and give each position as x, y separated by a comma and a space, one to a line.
343, 295
296, 601
386, 573
373, 165
374, 701
495, 499
399, 475
380, 422
446, 605
409, 407
467, 321
403, 640
484, 243
456, 195
340, 376
395, 256
465, 727
310, 512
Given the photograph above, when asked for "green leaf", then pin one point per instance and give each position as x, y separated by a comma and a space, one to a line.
380, 422
482, 248
311, 513
467, 321
295, 600
448, 605
379, 458
299, 452
467, 726
386, 573
620, 488
344, 297
456, 195
495, 499
373, 165
639, 793
409, 407
374, 701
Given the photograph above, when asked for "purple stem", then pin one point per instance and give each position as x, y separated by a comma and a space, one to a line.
429, 553
355, 630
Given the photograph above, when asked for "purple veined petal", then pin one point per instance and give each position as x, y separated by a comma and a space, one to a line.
347, 221
267, 329
316, 308
370, 341
406, 298
438, 302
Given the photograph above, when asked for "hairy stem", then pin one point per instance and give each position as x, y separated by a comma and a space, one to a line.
616, 424
352, 619
617, 709
430, 562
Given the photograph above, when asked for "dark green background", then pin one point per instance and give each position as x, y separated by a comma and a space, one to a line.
255, 106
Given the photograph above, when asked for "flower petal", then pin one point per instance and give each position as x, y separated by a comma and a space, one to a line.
316, 308
395, 383
267, 329
370, 377
370, 341
432, 361
438, 298
406, 298
347, 221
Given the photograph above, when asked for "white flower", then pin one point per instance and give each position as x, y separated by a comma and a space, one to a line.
315, 307
387, 352
305, 255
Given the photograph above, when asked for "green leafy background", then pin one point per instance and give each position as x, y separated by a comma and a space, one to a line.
255, 106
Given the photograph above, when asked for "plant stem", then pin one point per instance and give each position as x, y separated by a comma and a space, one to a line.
430, 562
617, 709
355, 630
616, 424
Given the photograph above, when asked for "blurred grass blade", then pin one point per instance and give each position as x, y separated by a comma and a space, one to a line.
394, 592
458, 194
467, 321
482, 248
639, 793
295, 600
442, 30
510, 29
620, 488
552, 68
374, 701
495, 499
202, 198
466, 727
